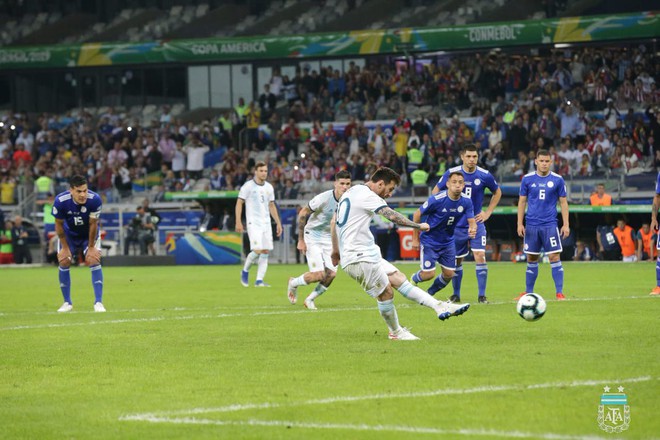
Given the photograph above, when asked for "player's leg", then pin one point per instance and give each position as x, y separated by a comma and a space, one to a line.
262, 265
65, 277
254, 236
532, 248
97, 279
374, 281
478, 247
656, 289
553, 247
447, 260
315, 274
330, 272
427, 259
461, 241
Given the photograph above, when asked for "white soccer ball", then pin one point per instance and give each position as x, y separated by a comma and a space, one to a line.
531, 307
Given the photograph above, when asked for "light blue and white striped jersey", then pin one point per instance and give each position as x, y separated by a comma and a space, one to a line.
257, 201
323, 206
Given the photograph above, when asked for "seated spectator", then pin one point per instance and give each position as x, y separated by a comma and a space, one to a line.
646, 243
582, 252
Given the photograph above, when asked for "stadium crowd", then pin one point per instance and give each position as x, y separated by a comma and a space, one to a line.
595, 109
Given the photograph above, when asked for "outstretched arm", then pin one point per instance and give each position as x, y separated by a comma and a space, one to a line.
400, 219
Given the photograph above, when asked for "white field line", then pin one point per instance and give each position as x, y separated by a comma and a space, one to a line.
282, 310
188, 415
365, 427
179, 318
430, 393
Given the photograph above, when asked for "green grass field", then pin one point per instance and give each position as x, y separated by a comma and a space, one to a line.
188, 353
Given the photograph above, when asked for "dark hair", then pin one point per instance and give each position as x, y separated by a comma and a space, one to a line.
77, 180
469, 147
455, 173
542, 152
343, 174
260, 164
387, 175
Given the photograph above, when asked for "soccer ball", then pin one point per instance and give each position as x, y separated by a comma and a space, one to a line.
531, 307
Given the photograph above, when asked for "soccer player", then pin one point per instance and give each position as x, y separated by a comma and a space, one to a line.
258, 197
476, 181
654, 228
353, 244
76, 213
315, 242
539, 192
443, 212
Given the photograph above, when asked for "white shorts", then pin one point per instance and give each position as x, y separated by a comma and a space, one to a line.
373, 277
261, 238
318, 256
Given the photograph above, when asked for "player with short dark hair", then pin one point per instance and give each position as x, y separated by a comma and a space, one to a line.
77, 213
539, 192
477, 180
442, 211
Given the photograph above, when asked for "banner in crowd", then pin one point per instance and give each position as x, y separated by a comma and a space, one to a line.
211, 247
367, 42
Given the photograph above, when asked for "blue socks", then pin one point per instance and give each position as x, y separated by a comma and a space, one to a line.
438, 284
482, 278
65, 283
97, 282
415, 278
457, 280
530, 276
558, 276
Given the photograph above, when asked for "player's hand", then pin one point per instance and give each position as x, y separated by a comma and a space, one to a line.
565, 231
64, 256
654, 224
481, 217
93, 256
424, 227
415, 243
239, 227
472, 232
279, 230
521, 231
334, 256
302, 246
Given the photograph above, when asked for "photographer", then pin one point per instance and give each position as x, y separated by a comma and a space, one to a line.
142, 230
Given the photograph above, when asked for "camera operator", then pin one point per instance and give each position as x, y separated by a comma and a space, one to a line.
141, 230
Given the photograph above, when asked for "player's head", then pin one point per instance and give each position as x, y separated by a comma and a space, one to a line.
470, 157
543, 162
78, 189
455, 184
621, 224
384, 181
260, 172
600, 189
646, 227
342, 182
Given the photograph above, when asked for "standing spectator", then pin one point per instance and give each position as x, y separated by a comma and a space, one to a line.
19, 236
600, 197
195, 152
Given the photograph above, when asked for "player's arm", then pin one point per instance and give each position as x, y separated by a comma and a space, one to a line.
417, 216
334, 256
239, 213
563, 205
400, 219
654, 212
522, 204
303, 216
472, 227
276, 216
65, 252
494, 200
640, 246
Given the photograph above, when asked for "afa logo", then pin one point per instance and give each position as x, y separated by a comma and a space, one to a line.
613, 411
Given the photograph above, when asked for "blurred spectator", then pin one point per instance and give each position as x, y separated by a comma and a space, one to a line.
19, 241
582, 252
646, 243
600, 197
627, 240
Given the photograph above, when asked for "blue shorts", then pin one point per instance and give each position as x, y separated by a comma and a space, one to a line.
462, 240
542, 237
76, 244
443, 255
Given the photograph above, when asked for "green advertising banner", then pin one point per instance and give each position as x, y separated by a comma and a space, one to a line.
526, 33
